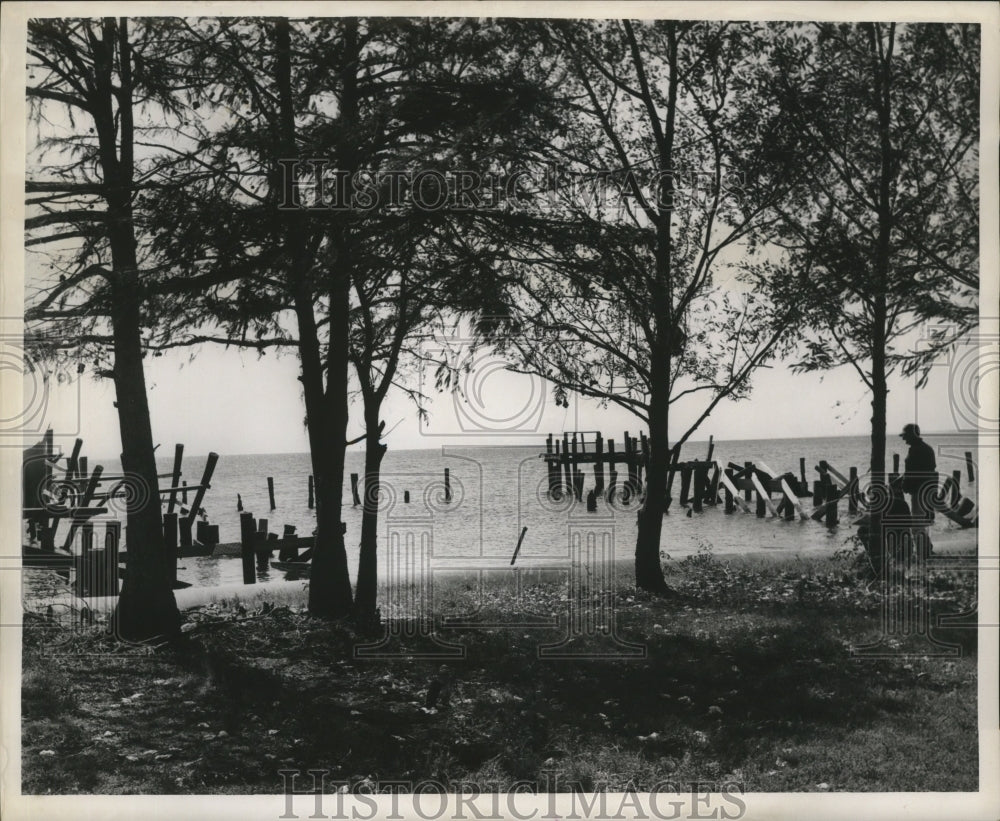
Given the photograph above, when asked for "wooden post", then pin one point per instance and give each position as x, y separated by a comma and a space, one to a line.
248, 536
761, 502
592, 501
711, 447
599, 465
730, 501
311, 497
88, 495
270, 491
713, 491
206, 483
239, 503
447, 483
578, 484
802, 471
612, 471
112, 538
184, 492
895, 463
747, 473
175, 477
831, 507
698, 495
968, 466
406, 496
852, 496
261, 548
82, 467
199, 531
685, 483
818, 493
184, 528
354, 489
554, 469
72, 465
518, 548
567, 468
170, 546
956, 476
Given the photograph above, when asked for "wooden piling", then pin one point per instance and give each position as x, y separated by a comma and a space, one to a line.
802, 471
518, 548
698, 495
406, 496
761, 510
447, 483
206, 483
184, 492
184, 531
82, 467
578, 478
73, 463
591, 501
170, 546
311, 497
685, 483
270, 491
747, 473
730, 503
852, 496
239, 503
895, 463
968, 466
818, 493
567, 467
112, 540
599, 465
354, 489
248, 535
711, 447
713, 491
956, 476
175, 479
832, 495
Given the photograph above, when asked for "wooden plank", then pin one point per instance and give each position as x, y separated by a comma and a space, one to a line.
206, 480
175, 477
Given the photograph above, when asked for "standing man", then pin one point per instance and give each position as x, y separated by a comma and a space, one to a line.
920, 478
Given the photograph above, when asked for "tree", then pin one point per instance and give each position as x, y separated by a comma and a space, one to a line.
106, 75
882, 235
612, 277
301, 214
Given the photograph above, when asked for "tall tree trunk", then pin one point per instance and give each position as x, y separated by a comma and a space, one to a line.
882, 58
146, 607
326, 405
648, 570
367, 588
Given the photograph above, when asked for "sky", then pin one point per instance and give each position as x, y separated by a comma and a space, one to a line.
233, 402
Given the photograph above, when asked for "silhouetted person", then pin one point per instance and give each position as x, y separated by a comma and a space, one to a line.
920, 477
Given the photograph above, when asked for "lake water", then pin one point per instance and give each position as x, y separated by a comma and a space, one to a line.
499, 490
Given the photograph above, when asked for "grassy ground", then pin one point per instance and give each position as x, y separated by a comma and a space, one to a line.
748, 676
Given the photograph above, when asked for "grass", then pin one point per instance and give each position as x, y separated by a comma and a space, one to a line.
748, 677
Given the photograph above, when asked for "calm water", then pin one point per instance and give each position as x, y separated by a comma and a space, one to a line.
499, 490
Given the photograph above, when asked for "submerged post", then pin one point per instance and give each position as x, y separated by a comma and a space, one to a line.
447, 483
170, 546
248, 535
968, 466
832, 495
270, 491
